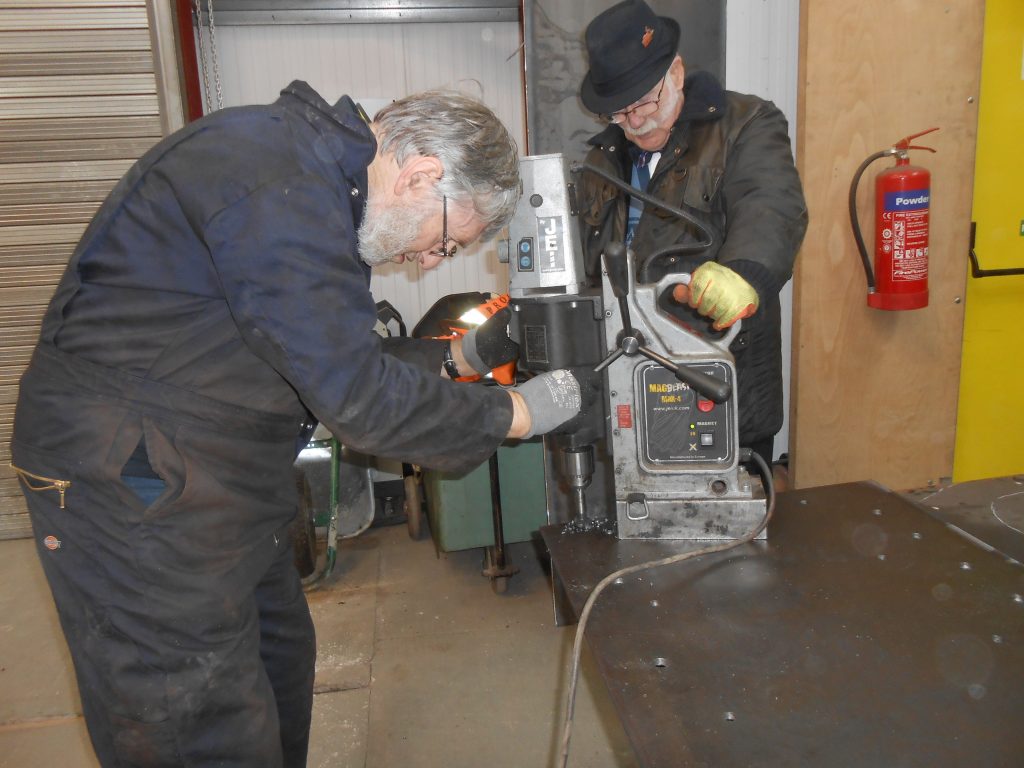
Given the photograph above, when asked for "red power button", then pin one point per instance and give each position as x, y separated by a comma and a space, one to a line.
705, 406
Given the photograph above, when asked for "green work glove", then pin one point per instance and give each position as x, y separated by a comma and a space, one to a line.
488, 346
719, 293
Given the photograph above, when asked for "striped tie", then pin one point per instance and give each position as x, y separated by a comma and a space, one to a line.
640, 179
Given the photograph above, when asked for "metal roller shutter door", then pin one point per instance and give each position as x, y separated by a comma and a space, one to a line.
79, 103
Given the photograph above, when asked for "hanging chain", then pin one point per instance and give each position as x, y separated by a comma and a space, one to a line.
213, 52
198, 8
208, 59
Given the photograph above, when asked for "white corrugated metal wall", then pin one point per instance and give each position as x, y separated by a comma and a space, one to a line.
375, 63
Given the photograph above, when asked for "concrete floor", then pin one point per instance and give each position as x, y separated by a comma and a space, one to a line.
420, 664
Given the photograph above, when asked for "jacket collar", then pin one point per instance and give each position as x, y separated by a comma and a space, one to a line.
704, 102
345, 135
705, 99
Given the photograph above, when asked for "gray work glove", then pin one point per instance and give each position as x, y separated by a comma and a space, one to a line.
552, 399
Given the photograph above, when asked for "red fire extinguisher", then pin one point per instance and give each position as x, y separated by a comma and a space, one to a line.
902, 197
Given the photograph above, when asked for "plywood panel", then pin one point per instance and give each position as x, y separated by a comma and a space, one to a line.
874, 393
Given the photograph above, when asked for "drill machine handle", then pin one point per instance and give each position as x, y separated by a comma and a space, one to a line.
631, 341
715, 390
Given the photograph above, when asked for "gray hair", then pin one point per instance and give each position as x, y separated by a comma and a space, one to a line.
480, 158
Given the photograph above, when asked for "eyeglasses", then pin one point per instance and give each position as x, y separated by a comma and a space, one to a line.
444, 250
644, 108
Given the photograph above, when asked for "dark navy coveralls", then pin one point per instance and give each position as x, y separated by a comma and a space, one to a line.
213, 304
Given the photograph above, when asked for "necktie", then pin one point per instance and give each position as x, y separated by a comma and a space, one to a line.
641, 177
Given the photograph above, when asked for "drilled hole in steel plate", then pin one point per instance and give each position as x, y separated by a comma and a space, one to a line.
719, 487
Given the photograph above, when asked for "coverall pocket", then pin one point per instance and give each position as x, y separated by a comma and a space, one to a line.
40, 484
47, 481
159, 471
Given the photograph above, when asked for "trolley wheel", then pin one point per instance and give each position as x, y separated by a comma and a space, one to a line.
303, 529
413, 507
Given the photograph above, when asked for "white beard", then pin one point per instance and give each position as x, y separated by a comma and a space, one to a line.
388, 231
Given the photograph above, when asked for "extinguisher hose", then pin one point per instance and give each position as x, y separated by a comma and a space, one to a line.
869, 272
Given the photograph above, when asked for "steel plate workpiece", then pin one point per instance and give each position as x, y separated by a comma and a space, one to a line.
991, 510
863, 632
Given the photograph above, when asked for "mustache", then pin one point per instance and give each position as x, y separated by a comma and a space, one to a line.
643, 130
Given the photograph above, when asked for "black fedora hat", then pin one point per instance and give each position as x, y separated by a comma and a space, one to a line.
630, 49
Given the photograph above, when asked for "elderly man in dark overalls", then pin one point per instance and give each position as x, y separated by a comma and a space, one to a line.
218, 304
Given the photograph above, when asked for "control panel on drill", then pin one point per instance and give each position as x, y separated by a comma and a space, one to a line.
681, 427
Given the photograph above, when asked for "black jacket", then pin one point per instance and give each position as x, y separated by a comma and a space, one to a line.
728, 162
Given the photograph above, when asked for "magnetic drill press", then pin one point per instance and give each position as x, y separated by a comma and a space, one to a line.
657, 455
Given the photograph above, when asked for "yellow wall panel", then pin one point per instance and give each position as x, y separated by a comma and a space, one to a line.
990, 417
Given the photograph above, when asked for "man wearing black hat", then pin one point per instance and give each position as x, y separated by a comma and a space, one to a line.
723, 157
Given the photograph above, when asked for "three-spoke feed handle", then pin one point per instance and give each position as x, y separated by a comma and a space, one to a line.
631, 342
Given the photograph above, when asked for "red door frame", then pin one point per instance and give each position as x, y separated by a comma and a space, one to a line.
189, 60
